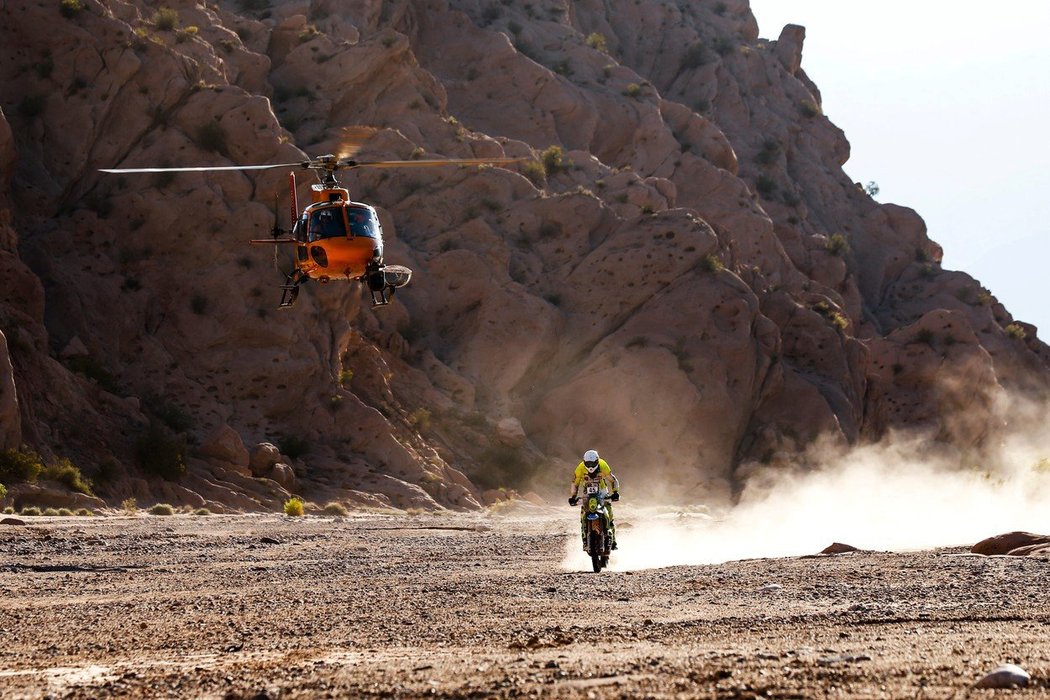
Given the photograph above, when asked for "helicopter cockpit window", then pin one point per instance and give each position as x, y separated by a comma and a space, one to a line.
327, 223
362, 223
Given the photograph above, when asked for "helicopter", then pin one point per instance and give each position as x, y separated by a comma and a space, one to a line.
335, 238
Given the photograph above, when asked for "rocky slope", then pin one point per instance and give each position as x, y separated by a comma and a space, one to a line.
691, 283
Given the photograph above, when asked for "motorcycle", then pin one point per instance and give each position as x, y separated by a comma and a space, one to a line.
594, 524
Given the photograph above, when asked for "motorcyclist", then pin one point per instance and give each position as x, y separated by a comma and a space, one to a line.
594, 467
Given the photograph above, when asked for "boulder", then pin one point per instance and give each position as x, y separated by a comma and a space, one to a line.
265, 456
225, 445
1010, 542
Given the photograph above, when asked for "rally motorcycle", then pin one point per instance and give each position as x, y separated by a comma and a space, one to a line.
594, 525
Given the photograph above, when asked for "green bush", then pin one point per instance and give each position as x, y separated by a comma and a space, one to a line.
202, 511
1016, 331
161, 509
84, 512
419, 418
160, 453
836, 244
712, 263
3, 491
211, 136
70, 8
130, 506
552, 159
19, 465
172, 415
67, 474
597, 42
294, 507
293, 446
336, 508
9, 510
534, 170
30, 510
766, 186
632, 90
65, 512
51, 512
165, 19
695, 56
809, 109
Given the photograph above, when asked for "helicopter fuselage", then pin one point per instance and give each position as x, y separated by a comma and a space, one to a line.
337, 239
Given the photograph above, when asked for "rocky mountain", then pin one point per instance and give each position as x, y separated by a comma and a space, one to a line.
680, 273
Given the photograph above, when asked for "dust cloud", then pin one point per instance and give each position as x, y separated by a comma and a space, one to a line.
889, 496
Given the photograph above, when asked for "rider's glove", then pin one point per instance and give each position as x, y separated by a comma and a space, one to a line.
616, 496
573, 500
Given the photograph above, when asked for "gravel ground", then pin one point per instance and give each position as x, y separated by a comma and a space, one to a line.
485, 606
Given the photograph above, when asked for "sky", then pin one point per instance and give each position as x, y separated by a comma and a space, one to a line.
946, 105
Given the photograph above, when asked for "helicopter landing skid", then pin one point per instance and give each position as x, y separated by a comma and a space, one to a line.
290, 289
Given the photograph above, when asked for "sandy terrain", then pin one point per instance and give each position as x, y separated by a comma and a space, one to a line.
485, 606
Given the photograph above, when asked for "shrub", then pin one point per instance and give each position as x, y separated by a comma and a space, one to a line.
808, 109
130, 506
70, 8
161, 509
173, 416
65, 512
597, 42
768, 154
419, 418
712, 263
336, 508
165, 19
535, 171
9, 510
836, 244
1016, 331
51, 512
293, 507
67, 474
346, 376
84, 512
202, 511
724, 46
3, 491
552, 159
211, 136
18, 465
695, 56
632, 90
30, 510
766, 186
293, 446
161, 453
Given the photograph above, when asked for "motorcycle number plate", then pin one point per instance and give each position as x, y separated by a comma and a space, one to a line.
591, 490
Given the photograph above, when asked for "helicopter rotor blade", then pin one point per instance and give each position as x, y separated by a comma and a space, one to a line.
430, 163
352, 140
201, 169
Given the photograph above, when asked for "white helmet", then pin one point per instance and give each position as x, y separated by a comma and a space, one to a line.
590, 460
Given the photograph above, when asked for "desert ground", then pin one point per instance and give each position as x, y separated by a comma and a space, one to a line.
490, 605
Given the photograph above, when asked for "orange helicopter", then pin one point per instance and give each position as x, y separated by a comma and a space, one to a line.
334, 238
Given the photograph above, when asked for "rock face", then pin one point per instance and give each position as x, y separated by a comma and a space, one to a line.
683, 277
